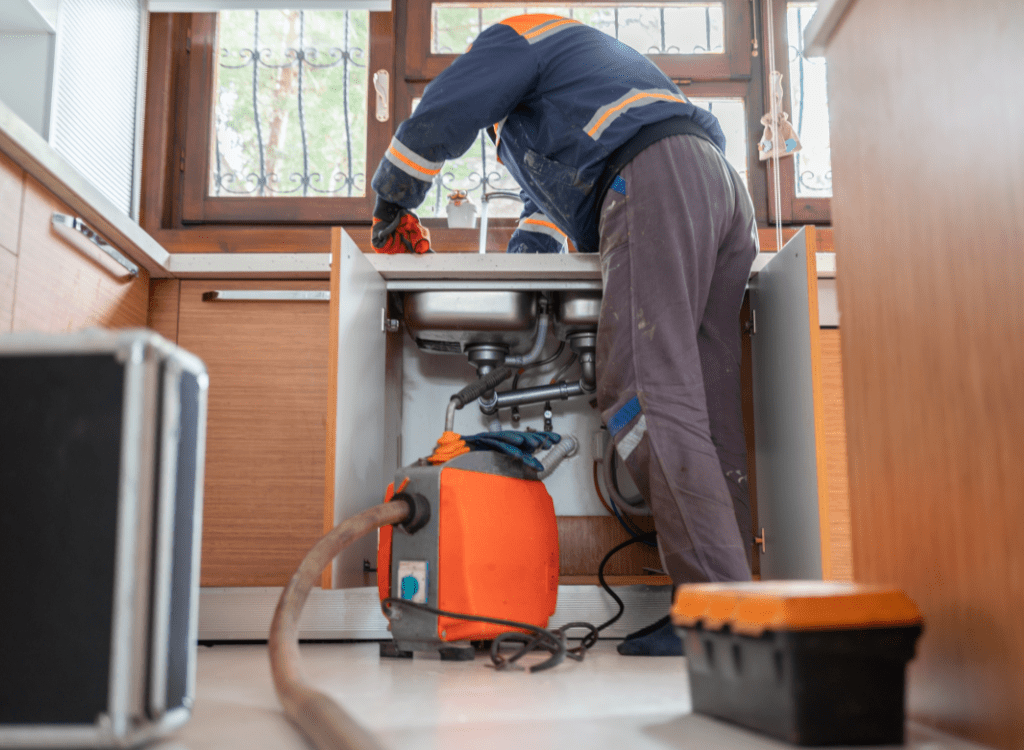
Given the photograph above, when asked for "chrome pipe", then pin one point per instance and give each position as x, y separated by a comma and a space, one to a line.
536, 395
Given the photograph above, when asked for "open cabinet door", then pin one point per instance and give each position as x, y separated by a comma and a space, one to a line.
792, 492
356, 422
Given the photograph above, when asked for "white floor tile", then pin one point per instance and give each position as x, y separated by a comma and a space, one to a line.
607, 702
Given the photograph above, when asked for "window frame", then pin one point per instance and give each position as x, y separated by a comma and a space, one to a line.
793, 208
197, 207
735, 73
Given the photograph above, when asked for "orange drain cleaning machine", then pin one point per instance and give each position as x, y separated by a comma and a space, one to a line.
485, 545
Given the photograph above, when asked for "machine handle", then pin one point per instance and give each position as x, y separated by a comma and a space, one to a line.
85, 239
266, 295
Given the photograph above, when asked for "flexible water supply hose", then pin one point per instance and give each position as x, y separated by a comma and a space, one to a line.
553, 456
315, 713
633, 505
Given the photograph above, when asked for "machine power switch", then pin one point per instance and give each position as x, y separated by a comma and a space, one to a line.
412, 580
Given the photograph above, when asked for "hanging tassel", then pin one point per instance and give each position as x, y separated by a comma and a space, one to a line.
780, 138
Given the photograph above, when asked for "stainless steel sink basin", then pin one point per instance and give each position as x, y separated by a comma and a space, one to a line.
576, 312
448, 321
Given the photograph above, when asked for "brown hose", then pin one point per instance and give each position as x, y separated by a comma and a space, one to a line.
316, 714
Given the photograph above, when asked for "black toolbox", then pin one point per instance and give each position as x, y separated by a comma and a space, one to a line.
808, 662
102, 441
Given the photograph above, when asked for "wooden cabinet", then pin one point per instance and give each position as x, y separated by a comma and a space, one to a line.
266, 434
933, 336
57, 287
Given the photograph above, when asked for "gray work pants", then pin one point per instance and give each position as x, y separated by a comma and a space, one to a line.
676, 251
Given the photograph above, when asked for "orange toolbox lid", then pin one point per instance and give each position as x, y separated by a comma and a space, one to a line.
751, 608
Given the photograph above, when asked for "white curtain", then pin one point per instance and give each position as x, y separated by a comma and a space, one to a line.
97, 99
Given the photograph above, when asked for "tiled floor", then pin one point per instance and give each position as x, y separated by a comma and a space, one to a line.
607, 702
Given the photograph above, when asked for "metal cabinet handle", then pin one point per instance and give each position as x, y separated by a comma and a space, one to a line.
380, 82
266, 295
85, 239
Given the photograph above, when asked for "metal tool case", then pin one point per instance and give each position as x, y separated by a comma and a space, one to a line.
102, 441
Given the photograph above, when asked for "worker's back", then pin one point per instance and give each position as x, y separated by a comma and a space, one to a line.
562, 96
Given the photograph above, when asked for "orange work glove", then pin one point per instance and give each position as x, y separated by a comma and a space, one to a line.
402, 234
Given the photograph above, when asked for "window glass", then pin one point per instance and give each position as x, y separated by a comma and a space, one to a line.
732, 116
291, 104
650, 28
809, 101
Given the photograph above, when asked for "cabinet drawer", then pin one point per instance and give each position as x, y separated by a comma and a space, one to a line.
60, 289
266, 434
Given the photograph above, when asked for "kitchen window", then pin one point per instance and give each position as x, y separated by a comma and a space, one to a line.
280, 128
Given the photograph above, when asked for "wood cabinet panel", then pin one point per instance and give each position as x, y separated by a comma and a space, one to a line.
59, 288
930, 289
163, 307
266, 434
12, 188
834, 428
583, 541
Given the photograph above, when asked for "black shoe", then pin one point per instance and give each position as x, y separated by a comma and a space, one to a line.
647, 630
658, 639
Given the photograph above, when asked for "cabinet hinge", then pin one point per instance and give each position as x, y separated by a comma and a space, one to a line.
188, 42
181, 163
750, 326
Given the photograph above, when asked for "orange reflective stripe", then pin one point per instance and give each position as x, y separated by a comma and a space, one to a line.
523, 24
632, 99
411, 163
548, 28
543, 224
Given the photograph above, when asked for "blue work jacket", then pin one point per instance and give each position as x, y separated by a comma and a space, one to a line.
562, 97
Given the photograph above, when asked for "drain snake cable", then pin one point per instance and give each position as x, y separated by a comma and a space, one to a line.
315, 713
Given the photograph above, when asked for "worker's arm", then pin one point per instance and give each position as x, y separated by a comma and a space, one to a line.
536, 233
477, 90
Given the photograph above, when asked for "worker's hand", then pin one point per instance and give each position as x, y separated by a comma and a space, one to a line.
398, 230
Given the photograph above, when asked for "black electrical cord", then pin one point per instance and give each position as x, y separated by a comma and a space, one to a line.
538, 639
565, 368
551, 640
650, 536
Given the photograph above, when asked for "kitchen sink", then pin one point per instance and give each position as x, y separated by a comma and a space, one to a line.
450, 321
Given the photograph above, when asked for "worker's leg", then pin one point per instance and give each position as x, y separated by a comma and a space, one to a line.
720, 343
671, 254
